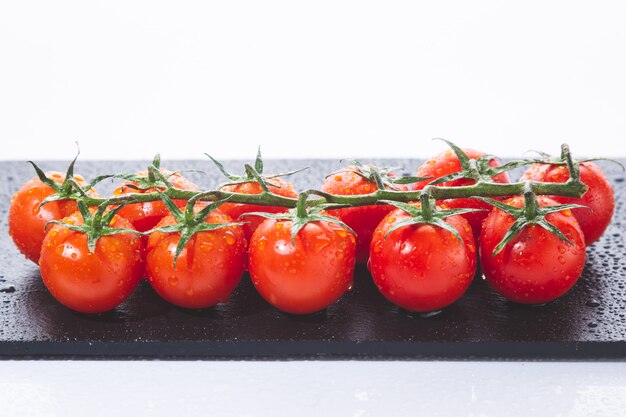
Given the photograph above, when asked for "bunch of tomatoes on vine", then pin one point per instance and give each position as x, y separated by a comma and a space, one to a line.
422, 237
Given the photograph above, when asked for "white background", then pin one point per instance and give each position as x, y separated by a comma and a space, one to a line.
310, 79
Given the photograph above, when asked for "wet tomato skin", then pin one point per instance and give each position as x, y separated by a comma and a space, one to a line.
363, 219
145, 216
536, 266
422, 268
599, 198
447, 163
207, 270
27, 220
280, 187
306, 276
91, 282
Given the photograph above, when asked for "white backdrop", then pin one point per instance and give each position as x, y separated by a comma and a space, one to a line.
309, 79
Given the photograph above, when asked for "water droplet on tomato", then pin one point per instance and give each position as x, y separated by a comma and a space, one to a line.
173, 281
230, 239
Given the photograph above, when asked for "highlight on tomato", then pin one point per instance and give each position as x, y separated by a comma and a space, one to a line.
302, 261
92, 260
422, 258
195, 259
532, 249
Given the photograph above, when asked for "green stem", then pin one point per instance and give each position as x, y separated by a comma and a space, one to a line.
530, 202
301, 205
427, 210
571, 188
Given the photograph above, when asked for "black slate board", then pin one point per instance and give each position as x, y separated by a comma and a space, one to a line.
587, 323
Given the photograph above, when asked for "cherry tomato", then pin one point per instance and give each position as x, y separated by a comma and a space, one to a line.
305, 276
91, 282
447, 163
422, 267
536, 266
276, 186
27, 220
364, 219
144, 216
599, 197
207, 270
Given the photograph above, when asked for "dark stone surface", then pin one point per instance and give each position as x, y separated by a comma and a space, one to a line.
587, 323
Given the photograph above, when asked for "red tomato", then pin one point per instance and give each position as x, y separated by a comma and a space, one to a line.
27, 220
536, 266
306, 276
599, 197
144, 216
91, 282
422, 267
234, 210
207, 270
447, 163
364, 219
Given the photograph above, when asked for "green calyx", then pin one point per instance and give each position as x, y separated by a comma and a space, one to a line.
252, 173
95, 225
383, 177
69, 188
530, 214
476, 169
155, 179
565, 158
189, 222
427, 213
303, 214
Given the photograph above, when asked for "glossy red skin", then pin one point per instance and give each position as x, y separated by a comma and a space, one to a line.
234, 210
27, 220
91, 282
599, 197
422, 267
145, 216
364, 219
537, 266
447, 163
207, 270
304, 277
